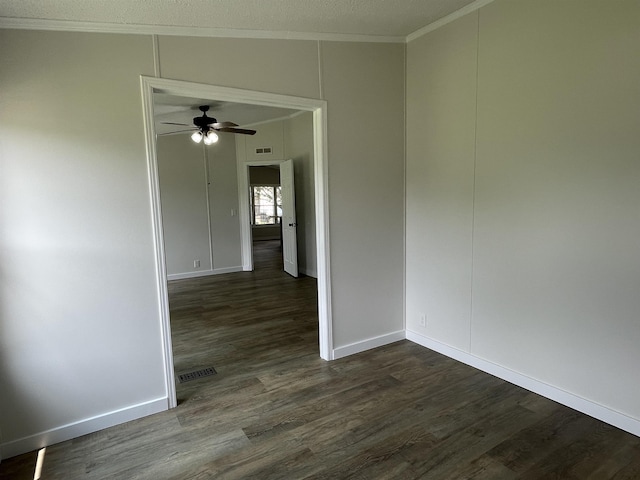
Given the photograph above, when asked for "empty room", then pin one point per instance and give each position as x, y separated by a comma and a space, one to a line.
467, 230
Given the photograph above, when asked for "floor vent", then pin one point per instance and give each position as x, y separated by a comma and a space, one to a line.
205, 372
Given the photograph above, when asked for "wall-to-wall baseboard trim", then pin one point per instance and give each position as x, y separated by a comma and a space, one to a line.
203, 273
368, 344
82, 427
588, 407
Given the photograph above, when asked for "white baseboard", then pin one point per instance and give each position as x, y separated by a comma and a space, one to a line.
588, 407
368, 344
203, 273
82, 427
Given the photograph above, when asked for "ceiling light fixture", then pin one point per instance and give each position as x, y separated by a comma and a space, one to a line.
206, 127
210, 138
197, 136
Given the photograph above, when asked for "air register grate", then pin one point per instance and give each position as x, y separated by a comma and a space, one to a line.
205, 372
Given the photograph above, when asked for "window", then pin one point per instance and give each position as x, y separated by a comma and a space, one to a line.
266, 204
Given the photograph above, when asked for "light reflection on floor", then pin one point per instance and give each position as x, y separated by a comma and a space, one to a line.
39, 463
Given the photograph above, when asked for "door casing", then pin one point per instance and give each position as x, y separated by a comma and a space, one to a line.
151, 85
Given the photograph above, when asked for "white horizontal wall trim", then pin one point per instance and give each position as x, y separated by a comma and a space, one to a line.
588, 407
82, 427
368, 344
472, 7
170, 30
203, 273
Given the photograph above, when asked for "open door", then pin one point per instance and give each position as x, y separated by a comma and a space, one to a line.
289, 225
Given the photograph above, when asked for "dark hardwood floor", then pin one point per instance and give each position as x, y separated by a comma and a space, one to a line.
275, 410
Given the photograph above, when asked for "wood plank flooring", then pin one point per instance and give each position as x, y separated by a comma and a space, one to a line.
275, 410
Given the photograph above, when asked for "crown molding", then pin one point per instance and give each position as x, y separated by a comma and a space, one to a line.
214, 32
135, 29
472, 7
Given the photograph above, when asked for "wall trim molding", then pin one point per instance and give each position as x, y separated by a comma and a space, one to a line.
583, 405
170, 30
203, 273
472, 7
82, 427
216, 32
148, 86
368, 344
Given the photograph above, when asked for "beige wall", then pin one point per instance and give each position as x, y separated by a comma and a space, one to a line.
223, 203
270, 134
79, 317
298, 146
441, 95
76, 243
183, 195
192, 176
364, 86
288, 67
522, 205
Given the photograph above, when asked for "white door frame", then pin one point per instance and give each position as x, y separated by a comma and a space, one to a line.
151, 85
244, 209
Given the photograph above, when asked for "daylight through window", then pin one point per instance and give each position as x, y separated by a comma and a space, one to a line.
266, 203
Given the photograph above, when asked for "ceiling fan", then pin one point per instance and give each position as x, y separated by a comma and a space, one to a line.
206, 127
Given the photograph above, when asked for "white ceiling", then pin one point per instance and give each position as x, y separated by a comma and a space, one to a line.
350, 17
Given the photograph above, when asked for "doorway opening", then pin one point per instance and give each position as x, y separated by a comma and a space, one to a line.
274, 191
149, 86
266, 214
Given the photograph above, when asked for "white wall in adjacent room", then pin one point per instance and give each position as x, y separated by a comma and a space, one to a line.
289, 138
183, 196
199, 197
298, 146
223, 203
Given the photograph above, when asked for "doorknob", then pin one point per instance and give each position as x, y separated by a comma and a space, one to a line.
293, 224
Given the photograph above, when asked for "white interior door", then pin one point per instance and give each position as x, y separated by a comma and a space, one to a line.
289, 225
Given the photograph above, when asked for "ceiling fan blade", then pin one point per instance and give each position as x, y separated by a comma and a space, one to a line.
224, 125
177, 131
237, 130
172, 123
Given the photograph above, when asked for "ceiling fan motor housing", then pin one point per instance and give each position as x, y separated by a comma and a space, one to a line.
204, 121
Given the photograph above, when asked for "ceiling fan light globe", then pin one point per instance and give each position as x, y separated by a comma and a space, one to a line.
197, 137
211, 137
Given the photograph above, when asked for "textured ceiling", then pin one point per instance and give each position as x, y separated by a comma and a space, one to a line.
356, 17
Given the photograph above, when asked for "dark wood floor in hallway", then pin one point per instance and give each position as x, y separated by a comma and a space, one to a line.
275, 410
